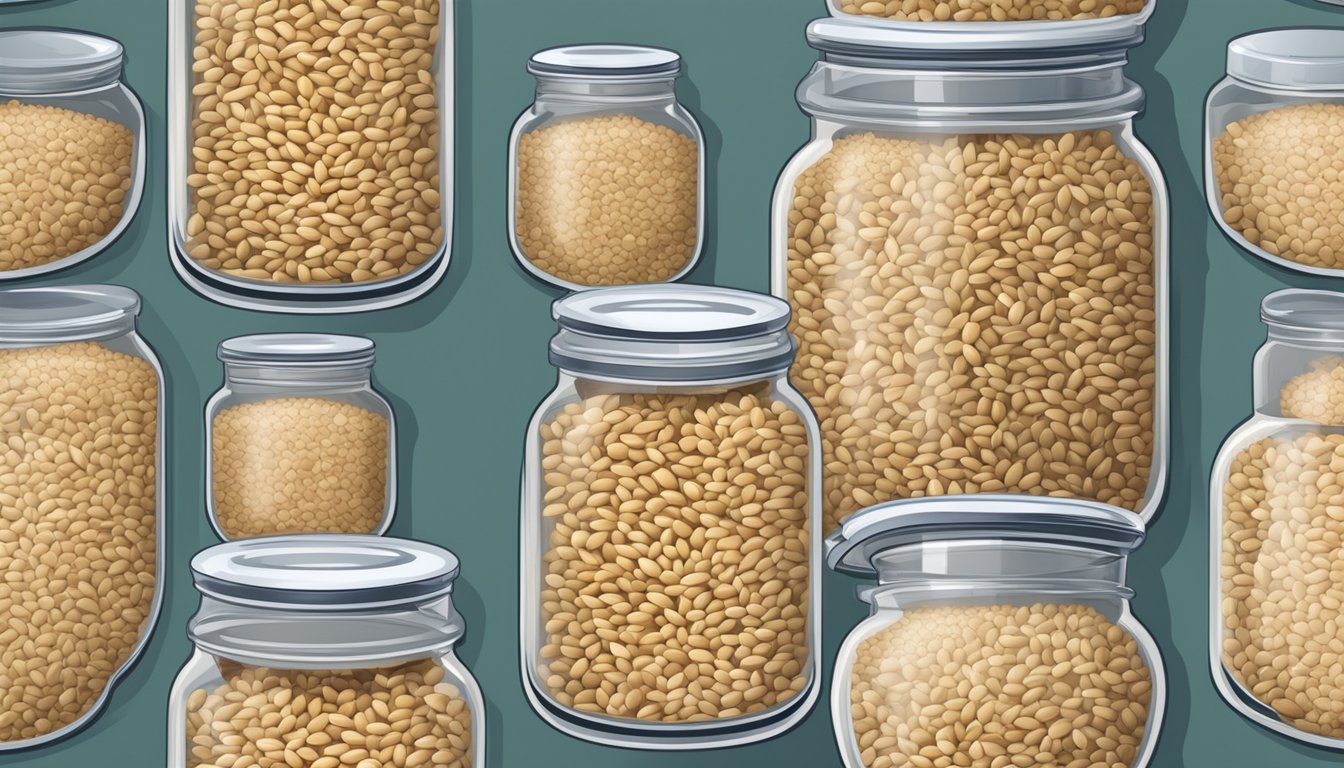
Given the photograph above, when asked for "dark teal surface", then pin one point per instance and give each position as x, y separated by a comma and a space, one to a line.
465, 366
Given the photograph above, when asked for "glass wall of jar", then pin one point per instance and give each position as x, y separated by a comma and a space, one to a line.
81, 473
670, 523
73, 157
311, 151
325, 650
975, 247
1061, 17
1277, 581
606, 170
1272, 148
298, 440
1000, 634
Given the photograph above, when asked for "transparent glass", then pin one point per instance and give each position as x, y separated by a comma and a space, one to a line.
299, 450
606, 183
1033, 13
683, 519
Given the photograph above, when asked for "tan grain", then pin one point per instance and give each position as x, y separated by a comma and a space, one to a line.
991, 10
1318, 394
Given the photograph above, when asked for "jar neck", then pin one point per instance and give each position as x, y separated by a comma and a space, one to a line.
247, 375
1287, 355
590, 386
605, 91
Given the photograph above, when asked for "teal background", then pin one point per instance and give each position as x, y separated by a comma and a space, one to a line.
466, 365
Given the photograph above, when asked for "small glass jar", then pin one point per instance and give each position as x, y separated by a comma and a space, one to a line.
316, 647
321, 180
298, 440
81, 475
72, 159
1000, 633
997, 18
606, 170
1271, 143
975, 246
1276, 583
670, 540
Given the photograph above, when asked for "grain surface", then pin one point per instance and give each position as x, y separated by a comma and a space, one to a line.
1318, 394
991, 10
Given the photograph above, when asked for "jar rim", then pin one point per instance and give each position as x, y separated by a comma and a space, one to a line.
606, 61
936, 44
68, 313
1293, 58
1303, 314
298, 349
40, 61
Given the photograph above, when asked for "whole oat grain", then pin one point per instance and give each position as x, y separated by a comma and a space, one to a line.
1318, 394
991, 10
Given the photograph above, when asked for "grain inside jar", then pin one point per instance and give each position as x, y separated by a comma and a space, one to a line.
977, 315
315, 139
991, 10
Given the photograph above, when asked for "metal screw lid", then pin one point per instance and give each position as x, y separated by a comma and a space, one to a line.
42, 61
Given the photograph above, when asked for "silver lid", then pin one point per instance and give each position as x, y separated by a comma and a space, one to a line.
990, 516
606, 61
1298, 58
40, 61
925, 43
298, 349
68, 313
1299, 314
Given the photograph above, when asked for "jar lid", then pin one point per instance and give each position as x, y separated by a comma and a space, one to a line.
677, 333
990, 516
615, 61
40, 61
67, 313
1304, 314
1302, 57
298, 349
1008, 44
325, 572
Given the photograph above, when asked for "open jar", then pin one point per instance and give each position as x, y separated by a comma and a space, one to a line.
1271, 146
606, 170
72, 164
325, 650
670, 540
1000, 633
998, 17
1276, 530
299, 441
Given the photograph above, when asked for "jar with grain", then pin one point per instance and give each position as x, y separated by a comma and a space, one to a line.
606, 170
975, 247
311, 151
1277, 560
298, 440
1273, 149
670, 537
1001, 17
81, 473
326, 651
72, 149
1000, 634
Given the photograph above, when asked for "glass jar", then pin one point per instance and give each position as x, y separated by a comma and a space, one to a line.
1277, 563
975, 247
1053, 16
72, 159
320, 181
1000, 634
670, 541
1271, 143
606, 170
298, 440
81, 473
316, 647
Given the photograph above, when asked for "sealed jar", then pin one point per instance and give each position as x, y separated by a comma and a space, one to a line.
1061, 17
325, 650
72, 149
81, 474
974, 245
298, 440
606, 170
670, 539
1001, 634
1272, 148
311, 152
1277, 561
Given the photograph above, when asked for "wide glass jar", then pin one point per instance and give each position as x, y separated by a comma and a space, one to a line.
1002, 16
298, 440
1000, 634
325, 651
974, 245
81, 476
1272, 145
72, 149
606, 170
670, 523
311, 151
1277, 560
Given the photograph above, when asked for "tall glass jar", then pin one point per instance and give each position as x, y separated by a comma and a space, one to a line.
1277, 578
1000, 634
81, 476
73, 155
298, 440
670, 539
974, 245
325, 651
606, 170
